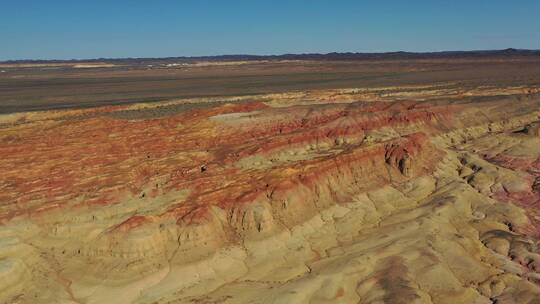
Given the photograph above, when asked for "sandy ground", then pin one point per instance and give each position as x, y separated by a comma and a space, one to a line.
59, 86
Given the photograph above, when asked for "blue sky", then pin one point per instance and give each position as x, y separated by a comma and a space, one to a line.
92, 29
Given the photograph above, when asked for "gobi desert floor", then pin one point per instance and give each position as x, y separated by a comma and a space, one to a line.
416, 186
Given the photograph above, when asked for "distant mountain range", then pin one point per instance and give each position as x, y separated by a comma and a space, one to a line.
309, 56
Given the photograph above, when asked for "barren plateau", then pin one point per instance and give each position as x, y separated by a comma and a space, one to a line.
317, 182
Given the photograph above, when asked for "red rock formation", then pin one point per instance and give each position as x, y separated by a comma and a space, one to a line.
176, 188
102, 160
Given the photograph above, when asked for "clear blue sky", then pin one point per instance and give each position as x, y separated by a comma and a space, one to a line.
90, 29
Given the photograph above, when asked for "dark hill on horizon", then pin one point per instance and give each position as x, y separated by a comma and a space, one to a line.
337, 56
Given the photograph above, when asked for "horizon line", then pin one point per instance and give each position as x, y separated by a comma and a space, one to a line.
510, 49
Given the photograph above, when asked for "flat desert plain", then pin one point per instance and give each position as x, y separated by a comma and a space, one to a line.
386, 181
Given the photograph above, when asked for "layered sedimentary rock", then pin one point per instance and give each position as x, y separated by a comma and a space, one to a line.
421, 194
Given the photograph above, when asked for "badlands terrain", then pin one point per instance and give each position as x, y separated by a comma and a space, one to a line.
271, 182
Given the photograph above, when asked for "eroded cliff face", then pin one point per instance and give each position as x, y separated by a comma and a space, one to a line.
425, 194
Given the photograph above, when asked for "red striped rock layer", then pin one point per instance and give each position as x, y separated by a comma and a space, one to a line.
97, 161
